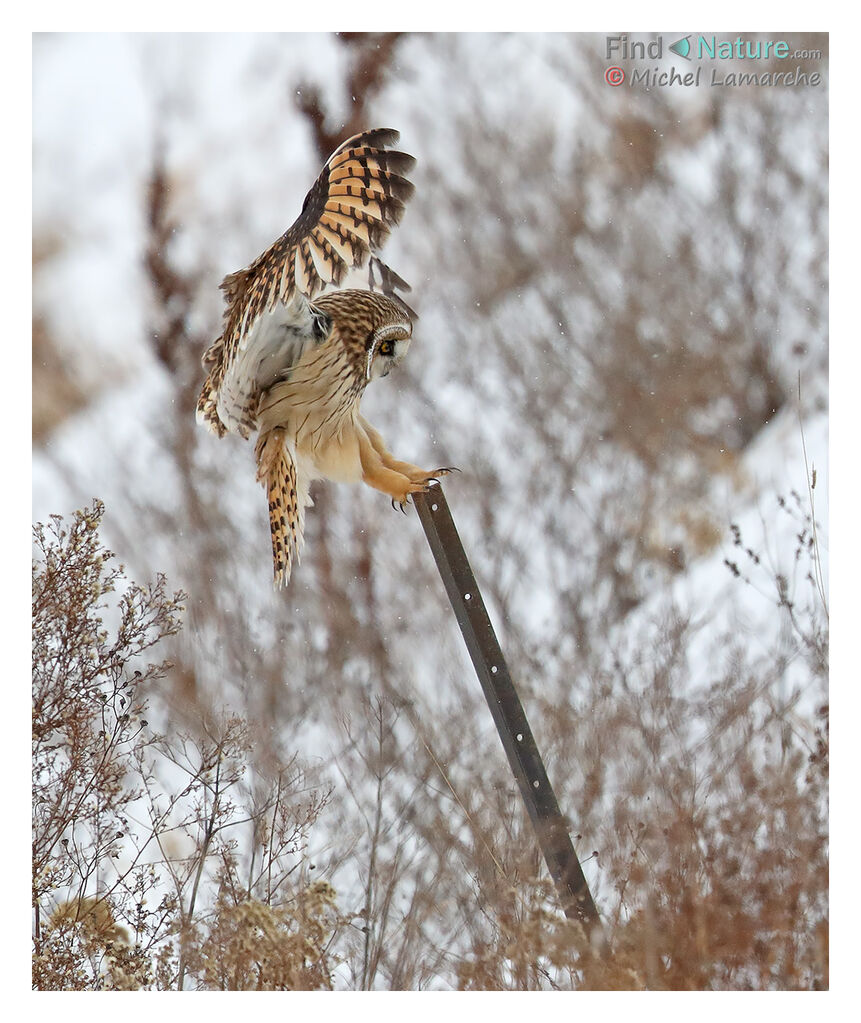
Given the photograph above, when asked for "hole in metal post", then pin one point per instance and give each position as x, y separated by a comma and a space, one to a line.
466, 596
535, 784
434, 507
494, 670
520, 737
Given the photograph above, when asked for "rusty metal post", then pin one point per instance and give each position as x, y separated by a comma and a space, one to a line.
507, 711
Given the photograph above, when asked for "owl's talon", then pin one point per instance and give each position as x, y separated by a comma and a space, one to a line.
435, 477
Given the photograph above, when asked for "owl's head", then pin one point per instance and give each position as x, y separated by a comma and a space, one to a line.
387, 345
379, 326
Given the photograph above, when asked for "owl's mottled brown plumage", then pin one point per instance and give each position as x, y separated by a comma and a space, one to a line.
347, 215
294, 369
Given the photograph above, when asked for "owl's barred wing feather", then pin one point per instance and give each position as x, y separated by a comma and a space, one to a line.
346, 217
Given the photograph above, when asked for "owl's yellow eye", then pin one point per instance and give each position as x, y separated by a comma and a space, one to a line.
387, 348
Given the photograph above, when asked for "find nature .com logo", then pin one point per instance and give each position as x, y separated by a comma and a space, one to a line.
707, 48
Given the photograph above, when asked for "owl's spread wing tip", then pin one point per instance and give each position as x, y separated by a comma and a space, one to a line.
376, 137
206, 410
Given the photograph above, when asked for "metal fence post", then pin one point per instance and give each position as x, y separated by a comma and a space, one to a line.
507, 711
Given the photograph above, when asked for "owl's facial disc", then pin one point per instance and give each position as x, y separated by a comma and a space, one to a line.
388, 346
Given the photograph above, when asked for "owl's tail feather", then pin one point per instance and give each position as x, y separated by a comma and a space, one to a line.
276, 470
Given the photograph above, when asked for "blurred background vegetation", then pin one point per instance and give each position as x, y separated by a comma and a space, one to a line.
623, 345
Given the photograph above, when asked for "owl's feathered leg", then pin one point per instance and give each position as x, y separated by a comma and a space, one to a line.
276, 470
381, 470
412, 472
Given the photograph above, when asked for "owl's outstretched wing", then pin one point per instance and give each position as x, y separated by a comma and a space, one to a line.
358, 197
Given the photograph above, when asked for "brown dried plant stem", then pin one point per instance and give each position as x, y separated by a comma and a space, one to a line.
209, 832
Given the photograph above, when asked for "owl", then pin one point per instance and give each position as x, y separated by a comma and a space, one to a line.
292, 363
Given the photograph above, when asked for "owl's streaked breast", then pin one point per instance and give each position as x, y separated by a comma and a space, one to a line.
318, 407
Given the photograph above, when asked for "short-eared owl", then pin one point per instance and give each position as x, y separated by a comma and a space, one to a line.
295, 369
